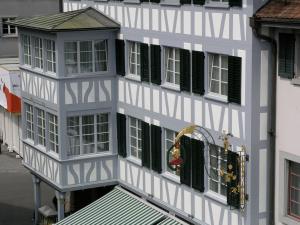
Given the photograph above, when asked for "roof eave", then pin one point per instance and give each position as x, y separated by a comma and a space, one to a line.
277, 22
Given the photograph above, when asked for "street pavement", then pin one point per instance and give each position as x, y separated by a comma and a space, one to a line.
16, 192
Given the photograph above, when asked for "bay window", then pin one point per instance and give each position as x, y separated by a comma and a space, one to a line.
85, 56
172, 66
50, 56
217, 163
38, 53
218, 74
29, 121
41, 127
88, 134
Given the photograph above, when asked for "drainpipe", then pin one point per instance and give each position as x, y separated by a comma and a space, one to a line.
255, 25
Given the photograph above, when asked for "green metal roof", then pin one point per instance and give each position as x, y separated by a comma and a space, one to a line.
83, 19
119, 207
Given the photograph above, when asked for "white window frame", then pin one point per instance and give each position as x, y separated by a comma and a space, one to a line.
94, 61
171, 141
41, 127
50, 56
105, 133
38, 53
89, 52
26, 45
291, 189
95, 133
170, 70
217, 171
134, 59
137, 127
9, 27
29, 118
53, 133
220, 81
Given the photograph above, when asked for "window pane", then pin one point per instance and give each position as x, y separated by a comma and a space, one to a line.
71, 57
86, 56
135, 138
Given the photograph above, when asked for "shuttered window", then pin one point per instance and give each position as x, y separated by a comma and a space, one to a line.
134, 58
146, 154
233, 196
155, 64
286, 55
145, 62
120, 60
156, 148
135, 138
237, 3
234, 79
185, 70
172, 66
169, 141
121, 134
198, 72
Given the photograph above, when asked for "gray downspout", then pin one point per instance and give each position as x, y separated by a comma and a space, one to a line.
272, 132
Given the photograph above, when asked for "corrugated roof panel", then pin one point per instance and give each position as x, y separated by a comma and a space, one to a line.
117, 207
169, 221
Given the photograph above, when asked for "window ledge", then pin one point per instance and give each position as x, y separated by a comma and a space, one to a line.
296, 81
216, 97
134, 160
132, 1
171, 86
9, 35
88, 156
170, 2
133, 77
222, 5
217, 197
171, 177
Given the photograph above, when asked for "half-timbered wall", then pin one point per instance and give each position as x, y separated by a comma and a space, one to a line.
211, 30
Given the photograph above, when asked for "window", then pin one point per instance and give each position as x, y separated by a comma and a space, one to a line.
135, 134
217, 162
100, 55
102, 133
172, 65
218, 74
8, 29
134, 59
219, 0
53, 133
294, 190
29, 121
71, 57
26, 43
38, 52
85, 56
88, 134
41, 128
50, 56
169, 141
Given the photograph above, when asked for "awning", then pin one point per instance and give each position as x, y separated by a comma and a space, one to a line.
120, 207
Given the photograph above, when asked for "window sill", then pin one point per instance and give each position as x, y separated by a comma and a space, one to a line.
9, 35
217, 197
222, 5
132, 1
170, 3
171, 86
216, 97
134, 160
171, 177
133, 77
87, 74
89, 156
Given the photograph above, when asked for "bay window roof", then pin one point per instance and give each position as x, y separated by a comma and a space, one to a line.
83, 19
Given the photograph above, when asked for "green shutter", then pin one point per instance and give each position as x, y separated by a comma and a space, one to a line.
197, 165
144, 62
120, 54
185, 70
286, 55
233, 198
145, 144
199, 2
198, 72
121, 134
156, 148
185, 170
234, 79
235, 3
185, 2
155, 64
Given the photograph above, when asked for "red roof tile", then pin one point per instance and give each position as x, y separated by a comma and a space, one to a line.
280, 10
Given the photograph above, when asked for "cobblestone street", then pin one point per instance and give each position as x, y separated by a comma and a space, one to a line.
16, 192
